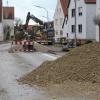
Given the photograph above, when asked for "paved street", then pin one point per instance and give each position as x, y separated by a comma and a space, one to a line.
13, 66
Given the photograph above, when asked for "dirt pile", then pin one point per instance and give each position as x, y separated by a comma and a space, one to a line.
81, 64
45, 48
40, 47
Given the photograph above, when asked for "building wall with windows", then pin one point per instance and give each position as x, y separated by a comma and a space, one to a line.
85, 28
80, 19
6, 19
58, 21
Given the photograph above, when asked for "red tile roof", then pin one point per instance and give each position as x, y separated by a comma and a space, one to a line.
86, 1
64, 6
90, 1
8, 12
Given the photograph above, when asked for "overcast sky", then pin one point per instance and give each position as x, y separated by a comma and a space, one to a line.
24, 6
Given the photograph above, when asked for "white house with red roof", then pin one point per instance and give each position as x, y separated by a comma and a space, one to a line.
97, 14
85, 26
59, 15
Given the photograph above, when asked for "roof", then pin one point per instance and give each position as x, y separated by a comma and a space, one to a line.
8, 13
64, 6
90, 1
86, 1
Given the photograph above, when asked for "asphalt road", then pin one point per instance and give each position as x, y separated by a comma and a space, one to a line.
15, 65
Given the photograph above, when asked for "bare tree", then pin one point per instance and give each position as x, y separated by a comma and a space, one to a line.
18, 22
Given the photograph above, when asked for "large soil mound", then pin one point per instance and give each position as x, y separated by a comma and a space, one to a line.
81, 64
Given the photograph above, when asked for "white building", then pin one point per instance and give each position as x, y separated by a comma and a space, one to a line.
85, 12
59, 15
65, 27
98, 14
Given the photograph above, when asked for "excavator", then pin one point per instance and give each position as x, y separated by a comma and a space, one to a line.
29, 16
43, 35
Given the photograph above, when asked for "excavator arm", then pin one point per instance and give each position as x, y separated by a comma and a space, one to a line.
37, 20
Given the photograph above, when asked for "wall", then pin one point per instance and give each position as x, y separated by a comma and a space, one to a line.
79, 19
65, 27
90, 25
1, 32
8, 18
58, 15
11, 24
97, 11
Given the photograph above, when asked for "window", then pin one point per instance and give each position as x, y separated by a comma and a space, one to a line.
56, 21
73, 12
80, 11
66, 21
58, 39
80, 28
56, 32
73, 29
67, 35
61, 21
61, 32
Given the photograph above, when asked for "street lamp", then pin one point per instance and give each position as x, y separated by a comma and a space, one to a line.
45, 10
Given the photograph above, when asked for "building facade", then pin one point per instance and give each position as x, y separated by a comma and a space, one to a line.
97, 13
65, 27
82, 18
1, 24
59, 15
6, 22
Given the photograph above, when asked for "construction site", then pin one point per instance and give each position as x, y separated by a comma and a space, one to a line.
35, 67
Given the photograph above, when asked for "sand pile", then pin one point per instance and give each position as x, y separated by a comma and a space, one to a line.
40, 47
80, 64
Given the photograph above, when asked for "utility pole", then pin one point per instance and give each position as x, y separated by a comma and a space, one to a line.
47, 15
7, 2
75, 38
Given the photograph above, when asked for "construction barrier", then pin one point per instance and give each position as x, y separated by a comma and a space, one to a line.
21, 46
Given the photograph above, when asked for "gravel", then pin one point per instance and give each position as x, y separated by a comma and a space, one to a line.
81, 64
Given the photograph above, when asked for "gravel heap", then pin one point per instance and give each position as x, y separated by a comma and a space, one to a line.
82, 64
